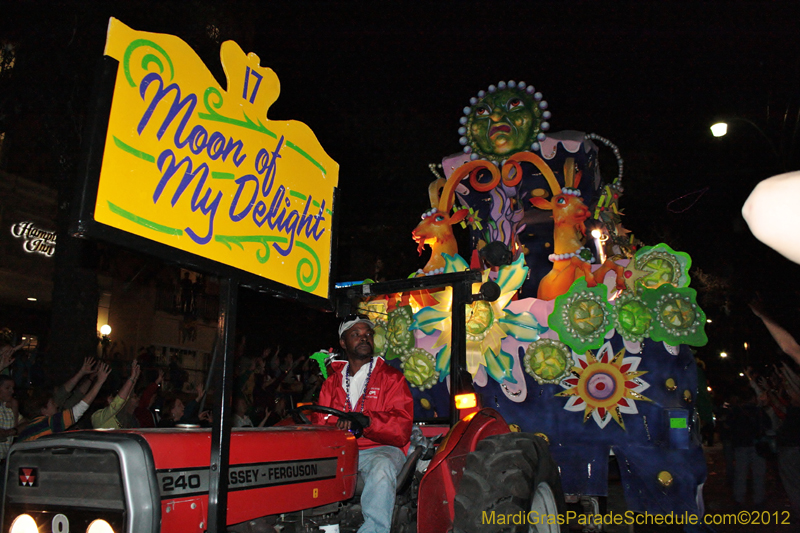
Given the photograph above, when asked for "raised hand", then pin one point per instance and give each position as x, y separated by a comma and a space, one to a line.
789, 375
7, 356
791, 382
103, 370
135, 370
89, 366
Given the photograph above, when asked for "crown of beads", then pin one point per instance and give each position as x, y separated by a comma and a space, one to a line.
620, 162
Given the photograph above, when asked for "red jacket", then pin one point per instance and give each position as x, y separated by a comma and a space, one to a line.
389, 405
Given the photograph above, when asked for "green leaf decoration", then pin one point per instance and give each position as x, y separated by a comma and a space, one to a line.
511, 277
524, 327
443, 362
499, 367
428, 318
454, 263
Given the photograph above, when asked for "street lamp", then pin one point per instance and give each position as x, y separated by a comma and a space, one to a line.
719, 129
723, 354
105, 340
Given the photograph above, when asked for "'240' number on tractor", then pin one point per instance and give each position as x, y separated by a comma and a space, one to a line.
170, 483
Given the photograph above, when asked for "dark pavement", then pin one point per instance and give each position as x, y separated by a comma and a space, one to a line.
718, 496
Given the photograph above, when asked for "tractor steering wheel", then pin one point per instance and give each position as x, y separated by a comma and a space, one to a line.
356, 425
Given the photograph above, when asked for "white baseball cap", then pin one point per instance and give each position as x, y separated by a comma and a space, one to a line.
352, 320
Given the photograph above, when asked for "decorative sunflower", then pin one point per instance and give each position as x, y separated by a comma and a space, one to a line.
604, 387
487, 322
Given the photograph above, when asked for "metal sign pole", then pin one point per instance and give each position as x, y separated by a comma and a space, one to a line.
221, 432
462, 291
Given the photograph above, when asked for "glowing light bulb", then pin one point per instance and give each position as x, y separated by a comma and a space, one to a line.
719, 129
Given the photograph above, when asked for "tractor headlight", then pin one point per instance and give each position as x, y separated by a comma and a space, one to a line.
99, 526
24, 523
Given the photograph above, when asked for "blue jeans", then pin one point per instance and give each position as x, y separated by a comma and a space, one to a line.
379, 468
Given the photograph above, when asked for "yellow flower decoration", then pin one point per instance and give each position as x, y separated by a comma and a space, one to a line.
604, 387
487, 322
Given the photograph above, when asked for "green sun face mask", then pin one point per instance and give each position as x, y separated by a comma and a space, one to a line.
503, 122
508, 118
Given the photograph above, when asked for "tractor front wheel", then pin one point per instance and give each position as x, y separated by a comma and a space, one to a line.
510, 484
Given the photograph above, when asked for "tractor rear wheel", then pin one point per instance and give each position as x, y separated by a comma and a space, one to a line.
510, 484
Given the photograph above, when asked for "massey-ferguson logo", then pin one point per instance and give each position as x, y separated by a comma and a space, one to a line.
28, 477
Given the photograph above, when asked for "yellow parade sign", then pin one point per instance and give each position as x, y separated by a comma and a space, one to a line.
201, 169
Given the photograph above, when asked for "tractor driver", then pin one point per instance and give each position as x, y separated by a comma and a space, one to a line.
371, 387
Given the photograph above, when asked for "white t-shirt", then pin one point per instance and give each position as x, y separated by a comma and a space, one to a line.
242, 421
357, 382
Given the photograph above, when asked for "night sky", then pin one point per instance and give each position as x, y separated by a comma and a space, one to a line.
383, 83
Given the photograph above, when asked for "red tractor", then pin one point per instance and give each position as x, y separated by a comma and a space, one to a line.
467, 472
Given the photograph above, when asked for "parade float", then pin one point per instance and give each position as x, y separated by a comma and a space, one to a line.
589, 342
581, 345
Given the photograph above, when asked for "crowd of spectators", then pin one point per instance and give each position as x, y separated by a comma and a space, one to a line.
114, 393
270, 383
759, 427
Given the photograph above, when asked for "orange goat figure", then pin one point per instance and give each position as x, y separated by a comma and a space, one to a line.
570, 260
435, 228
